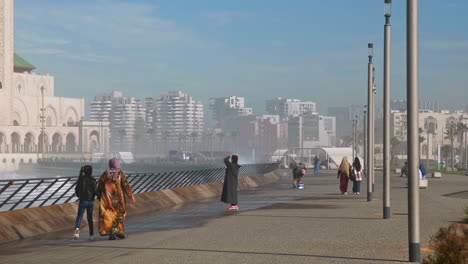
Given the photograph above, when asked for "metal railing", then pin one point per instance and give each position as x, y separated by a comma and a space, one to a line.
38, 192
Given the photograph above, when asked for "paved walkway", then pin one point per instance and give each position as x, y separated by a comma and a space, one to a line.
276, 224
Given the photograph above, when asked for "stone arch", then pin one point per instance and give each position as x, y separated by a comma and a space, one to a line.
70, 145
21, 161
15, 142
30, 160
94, 142
29, 142
71, 116
57, 143
451, 120
430, 125
16, 119
19, 107
51, 116
46, 142
3, 142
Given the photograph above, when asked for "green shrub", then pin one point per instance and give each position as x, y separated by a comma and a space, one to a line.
450, 245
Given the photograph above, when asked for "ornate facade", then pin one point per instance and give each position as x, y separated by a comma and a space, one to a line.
28, 104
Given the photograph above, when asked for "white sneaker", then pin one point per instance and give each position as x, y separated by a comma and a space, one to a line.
76, 236
345, 193
91, 238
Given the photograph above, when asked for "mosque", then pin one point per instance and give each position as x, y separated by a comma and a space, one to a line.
29, 109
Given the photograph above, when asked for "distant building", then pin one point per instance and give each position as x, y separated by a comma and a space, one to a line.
313, 130
175, 117
126, 116
434, 130
289, 107
226, 108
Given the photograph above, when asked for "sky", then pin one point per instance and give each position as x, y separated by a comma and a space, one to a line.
259, 49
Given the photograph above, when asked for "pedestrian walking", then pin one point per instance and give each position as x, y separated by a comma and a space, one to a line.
343, 175
229, 194
358, 172
293, 167
85, 190
316, 165
423, 171
404, 170
113, 189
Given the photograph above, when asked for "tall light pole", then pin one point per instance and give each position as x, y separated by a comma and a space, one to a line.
370, 123
354, 138
42, 123
412, 83
386, 133
364, 131
451, 145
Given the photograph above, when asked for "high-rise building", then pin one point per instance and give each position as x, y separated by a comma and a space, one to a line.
127, 119
175, 115
226, 108
289, 107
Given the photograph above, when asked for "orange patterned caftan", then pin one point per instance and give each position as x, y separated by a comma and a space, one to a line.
112, 203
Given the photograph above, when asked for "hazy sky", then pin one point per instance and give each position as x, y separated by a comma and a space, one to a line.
259, 49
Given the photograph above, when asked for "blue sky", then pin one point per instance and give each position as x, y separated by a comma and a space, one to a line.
259, 49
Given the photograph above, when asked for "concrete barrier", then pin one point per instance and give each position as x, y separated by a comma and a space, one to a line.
436, 174
423, 184
397, 170
24, 223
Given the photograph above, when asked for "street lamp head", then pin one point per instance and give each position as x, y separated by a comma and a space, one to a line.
370, 47
388, 8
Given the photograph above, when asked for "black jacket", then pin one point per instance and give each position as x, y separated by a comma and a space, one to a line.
86, 187
229, 194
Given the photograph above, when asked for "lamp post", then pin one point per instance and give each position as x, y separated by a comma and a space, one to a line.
370, 123
364, 131
42, 123
451, 145
387, 87
412, 83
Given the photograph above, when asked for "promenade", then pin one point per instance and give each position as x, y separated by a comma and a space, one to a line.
275, 224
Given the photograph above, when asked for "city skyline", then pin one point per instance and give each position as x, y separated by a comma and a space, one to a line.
210, 49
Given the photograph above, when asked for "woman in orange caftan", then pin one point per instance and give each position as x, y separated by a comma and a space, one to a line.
113, 189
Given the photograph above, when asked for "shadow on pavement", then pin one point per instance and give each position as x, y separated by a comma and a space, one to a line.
241, 252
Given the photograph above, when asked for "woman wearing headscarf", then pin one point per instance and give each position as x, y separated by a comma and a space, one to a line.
358, 172
113, 189
343, 175
229, 194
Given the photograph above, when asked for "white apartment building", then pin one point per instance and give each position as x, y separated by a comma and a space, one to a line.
175, 115
228, 107
433, 127
126, 116
290, 107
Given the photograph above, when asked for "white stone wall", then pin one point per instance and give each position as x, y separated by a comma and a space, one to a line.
6, 59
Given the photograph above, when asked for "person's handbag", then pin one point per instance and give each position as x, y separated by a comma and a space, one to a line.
352, 175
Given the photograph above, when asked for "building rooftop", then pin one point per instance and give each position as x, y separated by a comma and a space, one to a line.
22, 65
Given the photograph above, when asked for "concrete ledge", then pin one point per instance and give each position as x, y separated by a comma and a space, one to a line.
397, 170
423, 184
436, 174
24, 223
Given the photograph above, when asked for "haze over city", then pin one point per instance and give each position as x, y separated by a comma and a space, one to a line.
311, 50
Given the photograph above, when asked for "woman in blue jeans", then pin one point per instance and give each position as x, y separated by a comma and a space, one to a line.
86, 190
